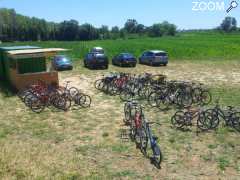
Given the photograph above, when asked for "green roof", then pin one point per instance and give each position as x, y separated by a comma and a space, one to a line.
12, 48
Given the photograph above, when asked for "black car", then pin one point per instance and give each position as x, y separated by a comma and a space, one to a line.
124, 59
62, 63
96, 60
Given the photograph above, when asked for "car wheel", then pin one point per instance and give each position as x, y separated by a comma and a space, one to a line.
164, 64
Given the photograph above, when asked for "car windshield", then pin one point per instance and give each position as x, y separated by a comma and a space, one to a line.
63, 60
161, 54
127, 55
100, 55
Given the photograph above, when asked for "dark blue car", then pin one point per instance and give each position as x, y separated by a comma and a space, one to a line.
96, 60
62, 63
124, 59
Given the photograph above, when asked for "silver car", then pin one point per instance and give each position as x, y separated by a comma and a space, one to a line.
98, 50
154, 57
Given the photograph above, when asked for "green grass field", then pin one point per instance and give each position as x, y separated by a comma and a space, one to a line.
182, 47
85, 144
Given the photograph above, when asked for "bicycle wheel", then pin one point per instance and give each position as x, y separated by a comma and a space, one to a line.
99, 84
27, 99
83, 100
137, 137
212, 118
178, 119
204, 121
152, 99
144, 141
235, 118
206, 97
196, 94
132, 129
163, 102
64, 103
36, 105
127, 113
184, 100
113, 90
157, 156
73, 92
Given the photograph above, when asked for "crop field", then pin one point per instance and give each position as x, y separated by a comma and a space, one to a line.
187, 46
86, 143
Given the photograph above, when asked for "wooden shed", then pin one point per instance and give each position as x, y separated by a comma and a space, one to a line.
23, 65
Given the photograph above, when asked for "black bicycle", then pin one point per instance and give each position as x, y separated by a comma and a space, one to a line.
230, 115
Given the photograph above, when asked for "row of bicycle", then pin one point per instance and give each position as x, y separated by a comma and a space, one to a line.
156, 89
40, 95
190, 98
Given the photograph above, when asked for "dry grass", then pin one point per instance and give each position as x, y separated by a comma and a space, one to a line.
85, 144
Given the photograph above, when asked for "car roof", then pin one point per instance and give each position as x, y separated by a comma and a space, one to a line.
98, 48
125, 54
96, 53
156, 51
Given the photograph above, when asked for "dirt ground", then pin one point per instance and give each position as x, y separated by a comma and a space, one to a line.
86, 143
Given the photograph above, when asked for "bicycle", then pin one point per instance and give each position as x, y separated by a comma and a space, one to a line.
183, 119
230, 116
147, 136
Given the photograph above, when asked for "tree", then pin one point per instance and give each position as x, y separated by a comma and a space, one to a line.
69, 30
88, 32
169, 29
16, 27
156, 30
115, 29
229, 24
140, 29
131, 26
104, 32
123, 33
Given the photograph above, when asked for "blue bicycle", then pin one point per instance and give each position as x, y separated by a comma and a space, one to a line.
146, 137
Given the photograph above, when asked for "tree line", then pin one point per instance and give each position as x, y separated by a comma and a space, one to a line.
16, 27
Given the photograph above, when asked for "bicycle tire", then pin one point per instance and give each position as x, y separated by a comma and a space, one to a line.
127, 114
144, 141
206, 97
36, 105
178, 119
157, 156
235, 118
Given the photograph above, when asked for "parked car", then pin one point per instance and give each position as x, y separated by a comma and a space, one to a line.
124, 59
97, 50
62, 63
154, 57
95, 60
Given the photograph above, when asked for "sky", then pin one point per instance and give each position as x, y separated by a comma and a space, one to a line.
116, 12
